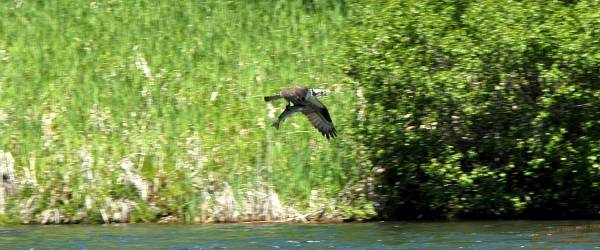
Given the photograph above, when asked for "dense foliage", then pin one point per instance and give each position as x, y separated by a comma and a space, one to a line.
121, 111
479, 108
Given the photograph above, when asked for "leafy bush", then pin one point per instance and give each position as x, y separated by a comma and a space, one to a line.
479, 108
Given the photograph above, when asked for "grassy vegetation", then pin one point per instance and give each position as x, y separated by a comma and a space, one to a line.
132, 110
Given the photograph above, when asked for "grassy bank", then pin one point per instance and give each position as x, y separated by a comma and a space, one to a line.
141, 112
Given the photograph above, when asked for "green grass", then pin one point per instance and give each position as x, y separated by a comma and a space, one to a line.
85, 85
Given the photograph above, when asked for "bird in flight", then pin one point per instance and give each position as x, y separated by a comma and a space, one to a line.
305, 101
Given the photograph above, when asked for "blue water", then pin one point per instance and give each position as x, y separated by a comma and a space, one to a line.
377, 235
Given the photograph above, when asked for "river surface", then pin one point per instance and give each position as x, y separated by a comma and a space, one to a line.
375, 235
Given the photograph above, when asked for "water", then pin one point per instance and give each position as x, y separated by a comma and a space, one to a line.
379, 235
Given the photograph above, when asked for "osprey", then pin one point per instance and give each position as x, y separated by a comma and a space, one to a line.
305, 101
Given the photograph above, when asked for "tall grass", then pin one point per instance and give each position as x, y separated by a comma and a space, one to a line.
155, 109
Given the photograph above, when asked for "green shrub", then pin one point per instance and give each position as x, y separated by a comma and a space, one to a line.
479, 108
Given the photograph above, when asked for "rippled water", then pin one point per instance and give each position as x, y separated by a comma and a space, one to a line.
379, 235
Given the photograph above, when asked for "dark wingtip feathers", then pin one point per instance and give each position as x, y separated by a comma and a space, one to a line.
330, 134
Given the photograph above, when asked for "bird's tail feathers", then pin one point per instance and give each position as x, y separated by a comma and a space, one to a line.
271, 98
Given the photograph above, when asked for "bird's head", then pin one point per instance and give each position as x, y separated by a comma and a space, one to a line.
318, 92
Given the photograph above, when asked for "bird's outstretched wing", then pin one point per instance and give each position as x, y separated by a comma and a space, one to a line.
319, 116
289, 111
